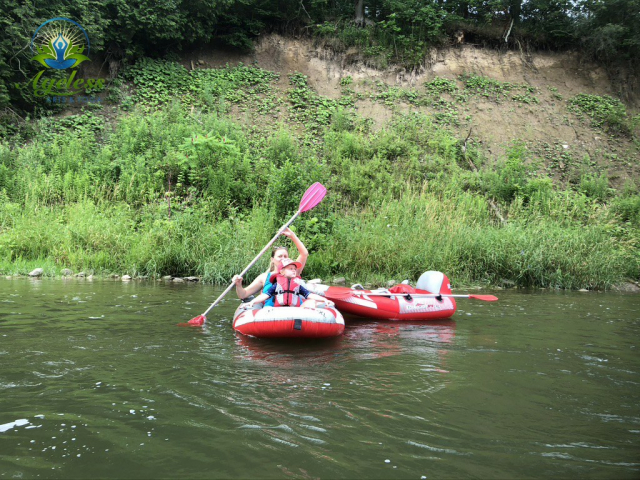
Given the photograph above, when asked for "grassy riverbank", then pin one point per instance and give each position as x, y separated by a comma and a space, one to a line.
192, 172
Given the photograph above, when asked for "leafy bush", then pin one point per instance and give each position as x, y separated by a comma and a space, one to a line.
495, 90
596, 187
510, 177
604, 111
307, 106
158, 81
439, 85
282, 148
627, 209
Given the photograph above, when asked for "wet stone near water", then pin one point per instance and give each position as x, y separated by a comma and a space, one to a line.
36, 273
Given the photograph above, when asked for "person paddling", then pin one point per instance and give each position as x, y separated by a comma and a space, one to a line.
262, 282
287, 289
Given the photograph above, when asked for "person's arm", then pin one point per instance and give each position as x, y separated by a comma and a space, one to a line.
308, 295
253, 288
263, 297
302, 250
259, 299
320, 298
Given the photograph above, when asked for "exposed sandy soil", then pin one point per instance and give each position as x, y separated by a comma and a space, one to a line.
549, 129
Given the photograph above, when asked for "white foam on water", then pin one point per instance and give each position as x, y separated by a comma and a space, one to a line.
314, 428
564, 456
313, 440
434, 449
284, 442
10, 425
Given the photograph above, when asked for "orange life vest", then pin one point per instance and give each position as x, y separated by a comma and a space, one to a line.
287, 292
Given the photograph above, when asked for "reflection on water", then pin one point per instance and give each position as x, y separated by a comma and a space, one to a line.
97, 380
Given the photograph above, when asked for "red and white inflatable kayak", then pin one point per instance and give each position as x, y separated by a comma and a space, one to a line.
288, 322
402, 302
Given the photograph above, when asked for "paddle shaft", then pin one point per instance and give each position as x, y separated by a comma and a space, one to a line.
486, 298
253, 262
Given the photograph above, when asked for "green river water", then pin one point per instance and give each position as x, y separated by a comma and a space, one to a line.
97, 381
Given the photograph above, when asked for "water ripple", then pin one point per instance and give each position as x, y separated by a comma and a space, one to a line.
435, 449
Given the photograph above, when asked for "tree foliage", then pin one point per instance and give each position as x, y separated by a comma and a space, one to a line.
400, 30
610, 29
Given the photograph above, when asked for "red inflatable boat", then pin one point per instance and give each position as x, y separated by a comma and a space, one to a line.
431, 300
288, 322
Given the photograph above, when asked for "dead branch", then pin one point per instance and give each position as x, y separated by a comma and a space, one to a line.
305, 10
506, 35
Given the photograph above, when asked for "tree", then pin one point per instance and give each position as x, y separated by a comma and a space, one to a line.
359, 17
610, 29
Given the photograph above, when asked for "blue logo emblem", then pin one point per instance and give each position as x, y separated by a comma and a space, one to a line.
60, 44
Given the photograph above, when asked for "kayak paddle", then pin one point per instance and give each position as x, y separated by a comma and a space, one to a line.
312, 197
358, 293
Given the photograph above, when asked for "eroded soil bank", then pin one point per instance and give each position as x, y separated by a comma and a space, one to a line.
547, 127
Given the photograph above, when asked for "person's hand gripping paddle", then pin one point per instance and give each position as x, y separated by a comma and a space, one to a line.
312, 197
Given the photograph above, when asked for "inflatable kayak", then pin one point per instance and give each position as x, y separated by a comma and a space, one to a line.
428, 301
288, 322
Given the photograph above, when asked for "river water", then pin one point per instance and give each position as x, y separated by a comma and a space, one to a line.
97, 380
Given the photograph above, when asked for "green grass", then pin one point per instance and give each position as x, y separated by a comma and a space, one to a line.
403, 238
113, 238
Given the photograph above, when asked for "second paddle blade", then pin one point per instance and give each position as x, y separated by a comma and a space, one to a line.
484, 298
194, 322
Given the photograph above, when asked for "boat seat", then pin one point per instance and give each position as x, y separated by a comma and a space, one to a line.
431, 281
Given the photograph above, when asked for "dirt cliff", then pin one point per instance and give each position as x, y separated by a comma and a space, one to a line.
563, 143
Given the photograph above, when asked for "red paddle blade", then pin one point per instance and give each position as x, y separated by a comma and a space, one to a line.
312, 197
194, 322
484, 298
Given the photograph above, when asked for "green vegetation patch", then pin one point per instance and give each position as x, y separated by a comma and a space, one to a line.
392, 95
313, 110
176, 187
159, 81
440, 94
498, 91
439, 85
604, 111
